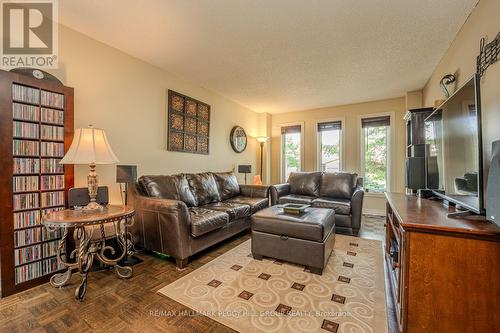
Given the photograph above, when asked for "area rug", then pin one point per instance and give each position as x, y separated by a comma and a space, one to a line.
248, 295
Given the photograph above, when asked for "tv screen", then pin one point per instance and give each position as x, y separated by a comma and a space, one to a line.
453, 148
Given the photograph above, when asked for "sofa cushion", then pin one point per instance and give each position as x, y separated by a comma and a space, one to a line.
338, 184
204, 188
340, 206
234, 210
295, 198
255, 204
227, 184
205, 220
305, 183
173, 187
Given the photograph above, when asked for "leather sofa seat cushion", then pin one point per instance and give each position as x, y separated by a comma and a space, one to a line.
175, 187
295, 198
338, 185
234, 210
305, 183
255, 204
204, 188
205, 220
314, 225
227, 184
340, 206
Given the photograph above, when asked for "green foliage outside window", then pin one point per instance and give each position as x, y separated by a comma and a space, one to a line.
292, 153
375, 158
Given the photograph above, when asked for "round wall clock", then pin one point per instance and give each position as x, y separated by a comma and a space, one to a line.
238, 139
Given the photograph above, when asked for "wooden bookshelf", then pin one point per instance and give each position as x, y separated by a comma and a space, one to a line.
36, 129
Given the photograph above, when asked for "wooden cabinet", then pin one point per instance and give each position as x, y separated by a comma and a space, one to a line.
444, 272
36, 129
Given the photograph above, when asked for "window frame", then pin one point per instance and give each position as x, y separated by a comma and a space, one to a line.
342, 141
282, 152
390, 148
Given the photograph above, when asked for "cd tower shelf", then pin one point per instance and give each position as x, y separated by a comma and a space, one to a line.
36, 129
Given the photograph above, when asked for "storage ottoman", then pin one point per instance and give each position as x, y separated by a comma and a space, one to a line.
305, 239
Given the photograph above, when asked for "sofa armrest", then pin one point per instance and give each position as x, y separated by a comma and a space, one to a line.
357, 208
162, 225
278, 191
254, 191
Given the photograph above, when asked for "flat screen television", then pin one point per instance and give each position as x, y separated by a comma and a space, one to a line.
454, 151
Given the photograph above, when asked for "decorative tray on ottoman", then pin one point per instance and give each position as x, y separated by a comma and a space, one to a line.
296, 209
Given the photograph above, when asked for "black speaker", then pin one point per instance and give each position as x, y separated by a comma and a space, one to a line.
415, 173
126, 173
418, 150
493, 192
244, 168
79, 196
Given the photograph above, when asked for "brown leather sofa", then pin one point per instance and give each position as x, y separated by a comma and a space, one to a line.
342, 192
180, 215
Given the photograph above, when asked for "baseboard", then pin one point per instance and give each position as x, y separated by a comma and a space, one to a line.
375, 212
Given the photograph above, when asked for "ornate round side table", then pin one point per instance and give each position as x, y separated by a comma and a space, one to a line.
89, 245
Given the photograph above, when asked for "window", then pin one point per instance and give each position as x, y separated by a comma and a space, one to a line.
329, 146
291, 148
375, 152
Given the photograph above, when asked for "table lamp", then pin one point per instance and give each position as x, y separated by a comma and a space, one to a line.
90, 146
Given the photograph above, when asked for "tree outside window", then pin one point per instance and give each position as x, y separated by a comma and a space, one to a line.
375, 150
329, 135
291, 150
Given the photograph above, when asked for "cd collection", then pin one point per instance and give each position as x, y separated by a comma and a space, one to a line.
52, 99
34, 235
25, 183
51, 165
49, 132
25, 201
52, 116
50, 199
25, 148
25, 112
26, 219
26, 165
38, 179
37, 269
52, 149
25, 130
25, 94
35, 252
52, 209
52, 182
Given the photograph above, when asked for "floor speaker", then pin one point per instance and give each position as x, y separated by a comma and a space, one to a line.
493, 193
415, 173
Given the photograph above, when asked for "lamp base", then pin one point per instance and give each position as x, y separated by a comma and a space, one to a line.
93, 206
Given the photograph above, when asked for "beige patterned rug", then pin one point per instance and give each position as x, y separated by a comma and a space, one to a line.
248, 295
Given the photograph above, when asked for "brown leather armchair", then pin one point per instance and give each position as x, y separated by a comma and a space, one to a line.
181, 215
342, 192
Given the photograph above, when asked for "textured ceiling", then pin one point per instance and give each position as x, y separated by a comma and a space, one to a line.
281, 55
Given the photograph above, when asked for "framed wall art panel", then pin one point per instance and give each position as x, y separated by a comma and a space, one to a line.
188, 127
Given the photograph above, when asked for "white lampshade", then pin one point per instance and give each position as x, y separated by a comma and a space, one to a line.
89, 145
261, 139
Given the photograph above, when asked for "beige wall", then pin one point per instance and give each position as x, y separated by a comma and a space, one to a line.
351, 159
460, 59
413, 99
127, 98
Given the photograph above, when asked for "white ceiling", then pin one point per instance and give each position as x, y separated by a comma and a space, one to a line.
281, 55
